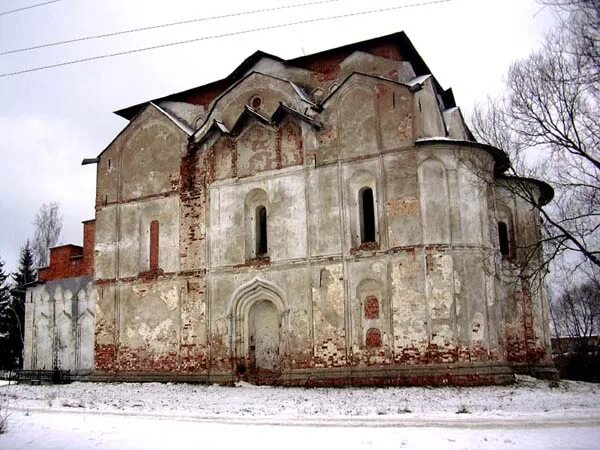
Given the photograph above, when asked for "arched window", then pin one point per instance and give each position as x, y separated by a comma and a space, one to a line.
261, 231
504, 239
367, 215
256, 207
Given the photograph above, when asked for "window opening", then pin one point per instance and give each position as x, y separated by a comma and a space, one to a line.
261, 231
256, 103
367, 216
503, 238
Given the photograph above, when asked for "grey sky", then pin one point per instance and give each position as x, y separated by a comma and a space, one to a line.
51, 119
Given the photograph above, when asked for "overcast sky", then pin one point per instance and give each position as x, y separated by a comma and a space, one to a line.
51, 119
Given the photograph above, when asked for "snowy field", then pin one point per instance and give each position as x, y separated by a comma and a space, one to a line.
529, 414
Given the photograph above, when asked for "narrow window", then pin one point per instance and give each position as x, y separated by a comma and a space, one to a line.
503, 238
367, 216
154, 245
261, 231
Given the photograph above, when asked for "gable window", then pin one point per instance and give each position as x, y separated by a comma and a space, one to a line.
261, 231
504, 239
367, 215
154, 231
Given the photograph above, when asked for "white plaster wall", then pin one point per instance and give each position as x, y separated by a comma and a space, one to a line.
325, 226
286, 226
60, 325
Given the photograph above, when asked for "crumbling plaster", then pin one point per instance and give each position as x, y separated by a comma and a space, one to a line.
442, 305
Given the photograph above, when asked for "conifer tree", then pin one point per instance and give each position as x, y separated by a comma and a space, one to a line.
26, 271
25, 274
7, 360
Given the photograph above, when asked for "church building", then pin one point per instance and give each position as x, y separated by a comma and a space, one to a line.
324, 220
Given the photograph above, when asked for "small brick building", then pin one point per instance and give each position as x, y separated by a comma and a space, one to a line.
325, 220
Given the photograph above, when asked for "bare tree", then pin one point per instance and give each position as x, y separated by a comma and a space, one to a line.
548, 122
48, 225
576, 312
583, 26
575, 316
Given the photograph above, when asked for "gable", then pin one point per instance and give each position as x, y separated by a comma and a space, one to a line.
152, 143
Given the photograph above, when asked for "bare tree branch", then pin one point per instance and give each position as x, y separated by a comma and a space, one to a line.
547, 122
48, 225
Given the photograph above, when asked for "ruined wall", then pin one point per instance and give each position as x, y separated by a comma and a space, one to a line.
59, 325
149, 315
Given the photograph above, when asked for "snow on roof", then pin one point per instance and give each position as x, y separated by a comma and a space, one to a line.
173, 119
221, 126
302, 94
418, 80
438, 138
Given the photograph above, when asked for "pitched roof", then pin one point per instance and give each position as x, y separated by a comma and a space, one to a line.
400, 40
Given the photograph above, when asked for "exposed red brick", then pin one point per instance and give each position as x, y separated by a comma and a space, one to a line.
387, 51
278, 147
371, 308
105, 357
202, 95
365, 246
89, 235
255, 262
70, 260
373, 339
154, 244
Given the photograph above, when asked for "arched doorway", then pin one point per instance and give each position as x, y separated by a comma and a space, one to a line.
264, 337
258, 330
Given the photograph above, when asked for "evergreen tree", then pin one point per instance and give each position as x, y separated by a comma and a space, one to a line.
7, 359
26, 272
24, 275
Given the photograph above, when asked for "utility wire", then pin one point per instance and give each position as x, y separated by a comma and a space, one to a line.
218, 36
5, 13
154, 27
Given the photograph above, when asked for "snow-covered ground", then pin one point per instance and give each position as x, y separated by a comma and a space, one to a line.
529, 414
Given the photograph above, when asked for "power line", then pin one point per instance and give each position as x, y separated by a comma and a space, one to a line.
27, 7
218, 36
154, 27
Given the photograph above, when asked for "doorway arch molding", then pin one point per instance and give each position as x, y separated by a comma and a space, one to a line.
238, 309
